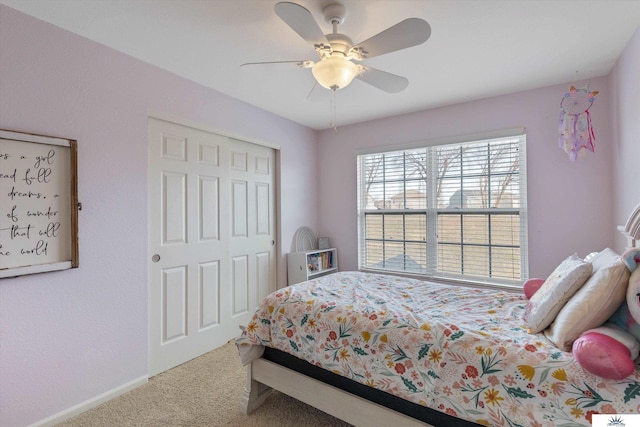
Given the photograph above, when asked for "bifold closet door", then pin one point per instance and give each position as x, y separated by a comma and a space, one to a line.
252, 248
211, 239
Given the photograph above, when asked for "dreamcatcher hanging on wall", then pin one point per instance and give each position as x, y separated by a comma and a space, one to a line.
576, 132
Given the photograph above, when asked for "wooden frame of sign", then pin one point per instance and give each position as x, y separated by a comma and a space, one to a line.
38, 203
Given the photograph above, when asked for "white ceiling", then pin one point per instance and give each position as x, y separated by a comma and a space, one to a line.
477, 48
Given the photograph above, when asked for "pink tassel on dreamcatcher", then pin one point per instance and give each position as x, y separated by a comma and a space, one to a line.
576, 131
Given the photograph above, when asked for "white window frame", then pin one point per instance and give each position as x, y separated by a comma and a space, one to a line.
432, 213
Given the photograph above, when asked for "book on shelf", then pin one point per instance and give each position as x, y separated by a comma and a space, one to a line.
320, 261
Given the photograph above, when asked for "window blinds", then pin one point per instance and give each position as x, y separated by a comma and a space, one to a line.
454, 210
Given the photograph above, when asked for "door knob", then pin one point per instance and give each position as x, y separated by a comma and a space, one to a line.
155, 258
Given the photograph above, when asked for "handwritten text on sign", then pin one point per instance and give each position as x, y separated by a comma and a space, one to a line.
35, 204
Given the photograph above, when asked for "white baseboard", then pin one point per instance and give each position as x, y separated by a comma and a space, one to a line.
91, 403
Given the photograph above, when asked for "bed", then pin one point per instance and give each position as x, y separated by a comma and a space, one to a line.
375, 349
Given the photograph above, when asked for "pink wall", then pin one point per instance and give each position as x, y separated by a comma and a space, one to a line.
625, 112
67, 337
569, 203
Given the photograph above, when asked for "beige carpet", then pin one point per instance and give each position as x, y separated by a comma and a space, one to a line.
203, 392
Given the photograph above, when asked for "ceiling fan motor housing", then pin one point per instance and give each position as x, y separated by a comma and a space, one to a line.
340, 43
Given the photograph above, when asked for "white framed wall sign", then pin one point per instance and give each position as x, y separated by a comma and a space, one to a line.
38, 203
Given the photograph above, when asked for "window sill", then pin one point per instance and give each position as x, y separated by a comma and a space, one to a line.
455, 282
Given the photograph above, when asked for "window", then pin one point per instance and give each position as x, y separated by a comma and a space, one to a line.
455, 210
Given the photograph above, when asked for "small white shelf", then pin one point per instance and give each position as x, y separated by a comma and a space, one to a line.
308, 265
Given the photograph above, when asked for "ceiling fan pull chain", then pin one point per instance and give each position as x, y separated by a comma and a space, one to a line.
332, 113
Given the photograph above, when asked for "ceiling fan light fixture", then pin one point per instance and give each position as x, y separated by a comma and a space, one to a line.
334, 72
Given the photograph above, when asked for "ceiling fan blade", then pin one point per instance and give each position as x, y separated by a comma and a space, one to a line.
301, 64
410, 32
302, 22
390, 83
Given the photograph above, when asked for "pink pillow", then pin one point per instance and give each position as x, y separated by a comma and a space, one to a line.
531, 286
603, 356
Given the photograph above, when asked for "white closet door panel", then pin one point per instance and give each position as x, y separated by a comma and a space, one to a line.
208, 153
174, 147
238, 160
209, 294
188, 228
174, 206
240, 283
239, 205
254, 165
263, 208
263, 274
209, 208
263, 165
174, 314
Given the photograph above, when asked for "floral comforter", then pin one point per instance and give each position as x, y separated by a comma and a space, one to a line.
460, 350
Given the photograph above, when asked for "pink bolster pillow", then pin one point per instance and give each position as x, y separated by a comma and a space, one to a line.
603, 356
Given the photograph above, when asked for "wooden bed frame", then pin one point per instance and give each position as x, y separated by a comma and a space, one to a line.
333, 394
263, 376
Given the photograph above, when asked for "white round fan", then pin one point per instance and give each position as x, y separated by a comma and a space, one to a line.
340, 58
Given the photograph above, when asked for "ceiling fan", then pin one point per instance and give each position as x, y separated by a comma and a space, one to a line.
340, 59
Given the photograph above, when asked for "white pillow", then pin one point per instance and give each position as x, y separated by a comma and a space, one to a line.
594, 303
556, 290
